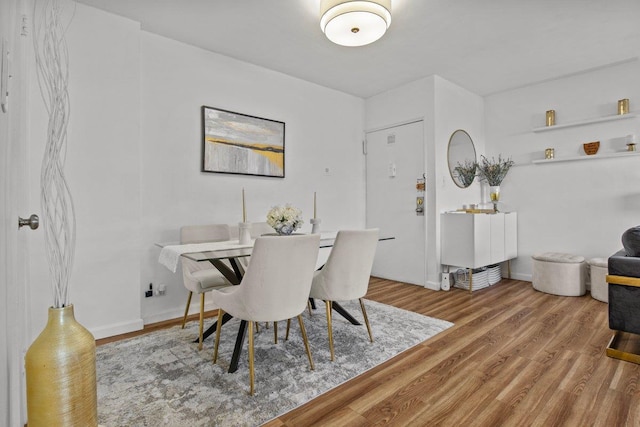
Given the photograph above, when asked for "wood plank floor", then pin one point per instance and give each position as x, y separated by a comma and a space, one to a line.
515, 357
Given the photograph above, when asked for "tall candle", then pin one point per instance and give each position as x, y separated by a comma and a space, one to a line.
314, 205
244, 208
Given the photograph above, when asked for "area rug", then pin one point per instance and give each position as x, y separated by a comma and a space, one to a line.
161, 379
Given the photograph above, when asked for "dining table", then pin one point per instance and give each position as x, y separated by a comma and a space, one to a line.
226, 257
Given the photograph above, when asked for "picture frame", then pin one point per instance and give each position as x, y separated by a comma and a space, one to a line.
236, 143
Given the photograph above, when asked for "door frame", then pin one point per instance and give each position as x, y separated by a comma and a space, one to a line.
14, 189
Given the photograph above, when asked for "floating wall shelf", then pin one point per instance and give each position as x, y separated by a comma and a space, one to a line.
586, 122
585, 157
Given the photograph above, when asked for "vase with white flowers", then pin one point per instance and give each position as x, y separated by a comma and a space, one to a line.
493, 172
285, 219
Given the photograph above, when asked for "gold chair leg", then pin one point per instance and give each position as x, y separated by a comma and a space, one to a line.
366, 319
275, 332
309, 307
306, 341
288, 327
251, 373
218, 329
330, 328
186, 310
201, 321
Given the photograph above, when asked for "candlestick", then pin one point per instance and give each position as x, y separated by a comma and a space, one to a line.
244, 208
314, 204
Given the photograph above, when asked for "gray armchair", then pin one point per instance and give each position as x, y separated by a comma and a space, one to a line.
624, 295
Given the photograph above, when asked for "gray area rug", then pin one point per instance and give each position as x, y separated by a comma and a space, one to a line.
161, 379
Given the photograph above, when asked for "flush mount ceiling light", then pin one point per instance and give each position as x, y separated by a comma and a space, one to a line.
355, 22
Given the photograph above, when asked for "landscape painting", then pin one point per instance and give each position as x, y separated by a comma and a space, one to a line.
241, 144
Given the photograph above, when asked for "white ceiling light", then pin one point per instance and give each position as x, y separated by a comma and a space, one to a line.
355, 22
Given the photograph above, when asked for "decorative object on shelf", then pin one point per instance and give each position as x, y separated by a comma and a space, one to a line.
285, 220
354, 23
623, 106
493, 172
549, 153
551, 117
466, 172
60, 365
591, 148
631, 146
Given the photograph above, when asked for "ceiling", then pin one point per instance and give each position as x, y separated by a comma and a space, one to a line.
484, 46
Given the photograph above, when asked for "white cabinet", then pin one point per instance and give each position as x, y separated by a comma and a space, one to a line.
478, 240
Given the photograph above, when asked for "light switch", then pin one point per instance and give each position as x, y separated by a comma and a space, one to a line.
392, 170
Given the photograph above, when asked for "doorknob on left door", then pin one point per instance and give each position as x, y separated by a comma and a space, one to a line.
33, 222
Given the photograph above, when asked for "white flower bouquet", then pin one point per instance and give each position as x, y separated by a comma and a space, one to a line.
285, 220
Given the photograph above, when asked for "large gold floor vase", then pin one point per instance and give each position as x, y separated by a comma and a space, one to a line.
61, 374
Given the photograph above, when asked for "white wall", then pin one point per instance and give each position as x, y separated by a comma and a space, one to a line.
102, 170
580, 207
133, 163
445, 107
323, 130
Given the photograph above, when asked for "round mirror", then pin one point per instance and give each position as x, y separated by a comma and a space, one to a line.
461, 155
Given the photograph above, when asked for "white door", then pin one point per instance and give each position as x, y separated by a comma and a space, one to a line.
395, 161
13, 263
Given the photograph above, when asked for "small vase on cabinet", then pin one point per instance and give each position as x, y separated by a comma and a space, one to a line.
494, 193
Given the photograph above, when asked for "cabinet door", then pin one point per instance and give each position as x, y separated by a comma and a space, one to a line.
481, 240
510, 235
497, 238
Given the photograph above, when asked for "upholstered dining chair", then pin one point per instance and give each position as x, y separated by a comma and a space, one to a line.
275, 287
201, 277
346, 274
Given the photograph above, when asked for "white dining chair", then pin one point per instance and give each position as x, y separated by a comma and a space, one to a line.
201, 277
345, 276
275, 287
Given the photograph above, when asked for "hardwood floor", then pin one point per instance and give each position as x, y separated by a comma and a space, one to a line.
515, 357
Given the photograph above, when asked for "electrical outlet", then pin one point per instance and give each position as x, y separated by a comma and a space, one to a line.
149, 293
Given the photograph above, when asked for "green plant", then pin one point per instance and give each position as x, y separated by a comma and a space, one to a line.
493, 171
466, 172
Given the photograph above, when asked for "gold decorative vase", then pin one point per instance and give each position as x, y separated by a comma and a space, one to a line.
61, 374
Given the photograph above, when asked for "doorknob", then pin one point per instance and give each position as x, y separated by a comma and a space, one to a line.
33, 222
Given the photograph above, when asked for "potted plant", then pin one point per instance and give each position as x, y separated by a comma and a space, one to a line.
493, 172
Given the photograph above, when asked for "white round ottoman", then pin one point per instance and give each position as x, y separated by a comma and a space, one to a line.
559, 274
599, 268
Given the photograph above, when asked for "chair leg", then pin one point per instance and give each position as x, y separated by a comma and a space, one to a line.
329, 327
366, 319
275, 332
288, 327
201, 321
309, 307
218, 329
251, 373
186, 310
306, 341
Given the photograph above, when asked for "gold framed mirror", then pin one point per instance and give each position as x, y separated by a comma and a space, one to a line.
461, 158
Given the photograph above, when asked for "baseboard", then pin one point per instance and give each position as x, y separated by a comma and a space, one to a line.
519, 276
116, 329
178, 313
434, 286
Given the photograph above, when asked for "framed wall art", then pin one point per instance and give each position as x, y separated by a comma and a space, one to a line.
241, 144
